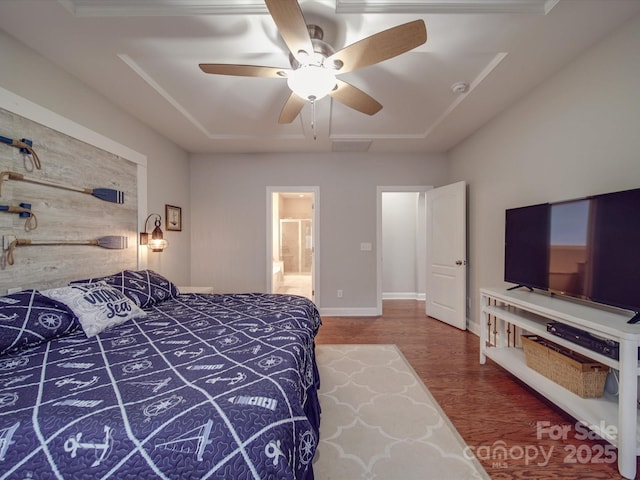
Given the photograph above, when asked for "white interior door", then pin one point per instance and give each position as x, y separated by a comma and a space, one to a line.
446, 254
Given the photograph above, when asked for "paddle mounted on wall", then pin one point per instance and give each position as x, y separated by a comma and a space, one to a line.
106, 194
113, 242
315, 65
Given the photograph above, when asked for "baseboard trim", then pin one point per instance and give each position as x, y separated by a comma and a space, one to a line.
348, 312
403, 296
473, 327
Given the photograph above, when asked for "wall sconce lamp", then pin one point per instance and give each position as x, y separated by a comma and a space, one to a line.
157, 243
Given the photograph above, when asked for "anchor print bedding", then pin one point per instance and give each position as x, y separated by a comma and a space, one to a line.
203, 386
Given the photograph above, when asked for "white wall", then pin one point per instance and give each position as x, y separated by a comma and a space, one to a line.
29, 75
576, 134
228, 195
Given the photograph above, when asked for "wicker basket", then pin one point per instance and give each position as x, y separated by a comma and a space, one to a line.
575, 372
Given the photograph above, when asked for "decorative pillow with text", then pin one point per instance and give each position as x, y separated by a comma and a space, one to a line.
98, 306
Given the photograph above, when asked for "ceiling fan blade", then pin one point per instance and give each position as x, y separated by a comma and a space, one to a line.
244, 70
291, 108
379, 47
355, 98
292, 27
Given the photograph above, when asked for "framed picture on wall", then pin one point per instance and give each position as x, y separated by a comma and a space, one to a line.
173, 218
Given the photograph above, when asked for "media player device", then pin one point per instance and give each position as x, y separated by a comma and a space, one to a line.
603, 346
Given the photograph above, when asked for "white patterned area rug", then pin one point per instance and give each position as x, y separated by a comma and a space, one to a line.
380, 422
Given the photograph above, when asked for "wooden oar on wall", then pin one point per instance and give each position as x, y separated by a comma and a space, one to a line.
106, 194
25, 146
110, 241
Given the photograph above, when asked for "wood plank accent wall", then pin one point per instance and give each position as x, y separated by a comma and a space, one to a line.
64, 215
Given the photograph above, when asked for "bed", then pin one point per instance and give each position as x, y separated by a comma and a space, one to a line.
165, 386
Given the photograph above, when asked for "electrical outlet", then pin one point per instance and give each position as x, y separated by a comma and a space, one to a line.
340, 293
14, 290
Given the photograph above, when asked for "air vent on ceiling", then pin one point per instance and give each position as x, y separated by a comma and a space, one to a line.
351, 146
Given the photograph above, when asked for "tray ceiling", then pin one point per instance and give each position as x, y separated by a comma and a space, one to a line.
143, 55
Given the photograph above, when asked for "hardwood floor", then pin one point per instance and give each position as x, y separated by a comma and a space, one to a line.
495, 413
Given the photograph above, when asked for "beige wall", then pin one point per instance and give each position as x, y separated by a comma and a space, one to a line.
27, 74
574, 135
228, 198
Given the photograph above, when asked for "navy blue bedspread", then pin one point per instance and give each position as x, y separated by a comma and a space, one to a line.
206, 386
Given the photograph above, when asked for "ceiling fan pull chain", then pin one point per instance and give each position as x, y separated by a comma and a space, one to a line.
312, 99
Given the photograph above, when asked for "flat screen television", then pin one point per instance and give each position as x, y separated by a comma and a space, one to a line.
587, 248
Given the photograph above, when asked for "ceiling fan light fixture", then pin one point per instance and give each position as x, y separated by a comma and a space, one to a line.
311, 82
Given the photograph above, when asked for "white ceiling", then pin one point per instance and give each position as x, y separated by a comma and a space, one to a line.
143, 55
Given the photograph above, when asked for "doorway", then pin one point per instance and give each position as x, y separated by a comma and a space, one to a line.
292, 250
401, 242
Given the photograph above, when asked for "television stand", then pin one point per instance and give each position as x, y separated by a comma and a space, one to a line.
505, 314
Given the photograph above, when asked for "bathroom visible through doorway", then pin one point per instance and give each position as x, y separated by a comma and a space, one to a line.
292, 237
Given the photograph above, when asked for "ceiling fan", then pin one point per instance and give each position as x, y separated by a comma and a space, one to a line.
315, 64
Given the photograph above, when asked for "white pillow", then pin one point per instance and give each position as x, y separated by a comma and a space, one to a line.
98, 306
